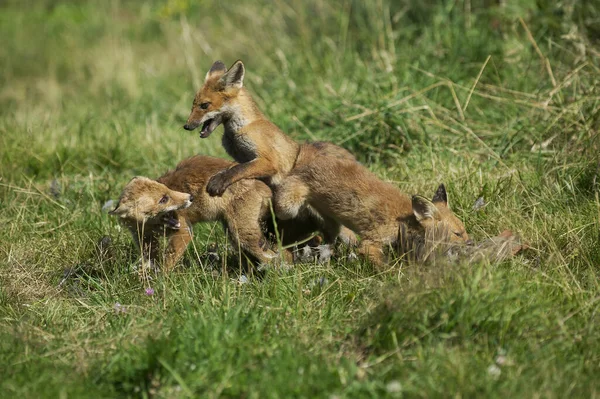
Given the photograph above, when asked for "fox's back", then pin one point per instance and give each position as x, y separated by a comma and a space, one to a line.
346, 190
192, 174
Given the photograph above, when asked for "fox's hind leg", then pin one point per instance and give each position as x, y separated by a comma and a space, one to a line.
249, 238
348, 237
244, 225
290, 202
289, 197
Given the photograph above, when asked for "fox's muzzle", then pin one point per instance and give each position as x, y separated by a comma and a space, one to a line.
191, 125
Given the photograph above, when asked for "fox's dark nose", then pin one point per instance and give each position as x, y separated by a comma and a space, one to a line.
191, 198
191, 125
470, 242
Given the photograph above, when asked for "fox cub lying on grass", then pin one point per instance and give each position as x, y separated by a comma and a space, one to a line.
169, 206
344, 192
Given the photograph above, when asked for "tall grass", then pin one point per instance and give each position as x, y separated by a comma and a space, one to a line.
497, 101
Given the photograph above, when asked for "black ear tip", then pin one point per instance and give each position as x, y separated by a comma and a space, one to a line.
218, 66
440, 194
442, 189
418, 199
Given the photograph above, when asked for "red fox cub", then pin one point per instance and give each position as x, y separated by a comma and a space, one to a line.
261, 149
170, 205
346, 193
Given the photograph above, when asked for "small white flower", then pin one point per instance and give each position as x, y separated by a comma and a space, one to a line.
119, 308
393, 387
325, 253
109, 205
500, 360
304, 254
243, 279
494, 371
479, 203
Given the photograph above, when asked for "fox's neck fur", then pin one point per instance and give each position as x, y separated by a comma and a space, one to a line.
244, 112
250, 135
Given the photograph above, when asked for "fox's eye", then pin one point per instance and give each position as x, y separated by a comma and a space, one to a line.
164, 199
204, 105
458, 233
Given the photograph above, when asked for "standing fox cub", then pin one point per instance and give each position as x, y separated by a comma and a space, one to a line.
261, 148
170, 205
347, 193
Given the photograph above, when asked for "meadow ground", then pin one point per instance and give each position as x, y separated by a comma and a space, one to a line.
499, 102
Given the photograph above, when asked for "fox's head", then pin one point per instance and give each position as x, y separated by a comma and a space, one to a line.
430, 214
145, 200
212, 102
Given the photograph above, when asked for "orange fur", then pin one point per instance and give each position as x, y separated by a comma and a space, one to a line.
346, 193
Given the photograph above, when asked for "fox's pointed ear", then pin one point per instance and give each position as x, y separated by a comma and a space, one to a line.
217, 69
440, 195
234, 77
424, 209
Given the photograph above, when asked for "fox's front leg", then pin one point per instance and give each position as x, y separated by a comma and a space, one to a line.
254, 169
178, 242
372, 251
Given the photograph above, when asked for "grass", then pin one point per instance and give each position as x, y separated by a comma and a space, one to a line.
497, 102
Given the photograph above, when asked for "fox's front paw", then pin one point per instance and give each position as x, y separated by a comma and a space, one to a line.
217, 185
